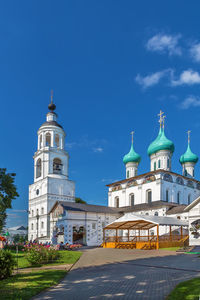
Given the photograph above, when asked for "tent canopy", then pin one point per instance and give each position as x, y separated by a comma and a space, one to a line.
144, 222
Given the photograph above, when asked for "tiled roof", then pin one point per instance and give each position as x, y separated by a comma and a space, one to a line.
146, 206
176, 209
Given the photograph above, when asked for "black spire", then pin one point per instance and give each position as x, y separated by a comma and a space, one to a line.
52, 106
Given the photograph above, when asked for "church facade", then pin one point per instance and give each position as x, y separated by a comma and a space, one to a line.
53, 214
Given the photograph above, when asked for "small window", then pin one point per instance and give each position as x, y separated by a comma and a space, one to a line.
185, 173
57, 166
167, 195
132, 199
37, 211
156, 213
117, 202
149, 196
127, 174
159, 164
154, 166
38, 168
93, 225
42, 225
42, 210
178, 197
32, 213
32, 226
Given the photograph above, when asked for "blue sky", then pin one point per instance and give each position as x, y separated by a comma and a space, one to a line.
112, 65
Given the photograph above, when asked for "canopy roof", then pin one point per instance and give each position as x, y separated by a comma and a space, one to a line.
134, 221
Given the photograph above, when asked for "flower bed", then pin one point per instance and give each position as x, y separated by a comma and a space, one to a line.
38, 254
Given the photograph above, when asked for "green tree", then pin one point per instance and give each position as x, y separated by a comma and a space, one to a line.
8, 192
79, 200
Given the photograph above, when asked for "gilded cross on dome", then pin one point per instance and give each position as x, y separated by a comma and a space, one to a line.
161, 117
132, 134
189, 132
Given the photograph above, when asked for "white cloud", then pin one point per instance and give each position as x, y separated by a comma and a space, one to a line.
195, 52
187, 77
151, 79
164, 43
190, 101
98, 150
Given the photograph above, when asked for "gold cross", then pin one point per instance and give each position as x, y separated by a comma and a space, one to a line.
51, 96
163, 121
161, 117
132, 133
188, 132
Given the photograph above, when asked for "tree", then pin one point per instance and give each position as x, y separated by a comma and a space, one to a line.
8, 192
79, 200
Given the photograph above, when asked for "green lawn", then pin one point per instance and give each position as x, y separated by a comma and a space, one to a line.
170, 248
66, 257
188, 290
25, 286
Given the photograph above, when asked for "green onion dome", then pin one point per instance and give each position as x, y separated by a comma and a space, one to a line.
132, 156
188, 156
160, 143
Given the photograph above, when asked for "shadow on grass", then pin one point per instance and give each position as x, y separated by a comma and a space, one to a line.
24, 286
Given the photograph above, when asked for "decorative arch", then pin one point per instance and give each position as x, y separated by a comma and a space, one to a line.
168, 177
179, 180
149, 178
57, 166
38, 168
131, 183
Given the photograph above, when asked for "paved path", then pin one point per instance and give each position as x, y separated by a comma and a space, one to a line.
124, 274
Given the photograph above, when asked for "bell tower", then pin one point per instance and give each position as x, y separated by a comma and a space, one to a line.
51, 182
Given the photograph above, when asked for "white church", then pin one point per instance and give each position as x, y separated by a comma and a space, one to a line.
54, 216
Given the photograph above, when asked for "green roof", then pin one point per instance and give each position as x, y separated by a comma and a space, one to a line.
188, 156
132, 156
160, 143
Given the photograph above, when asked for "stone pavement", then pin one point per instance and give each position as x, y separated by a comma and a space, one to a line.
124, 274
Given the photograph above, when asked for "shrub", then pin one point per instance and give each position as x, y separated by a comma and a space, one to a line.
13, 247
7, 263
38, 254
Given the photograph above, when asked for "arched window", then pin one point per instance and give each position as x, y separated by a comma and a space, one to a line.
156, 213
189, 199
127, 174
37, 211
116, 201
42, 225
159, 164
32, 213
40, 142
178, 197
57, 140
42, 210
48, 139
185, 173
132, 199
32, 227
38, 168
154, 166
168, 163
167, 195
147, 214
148, 196
57, 166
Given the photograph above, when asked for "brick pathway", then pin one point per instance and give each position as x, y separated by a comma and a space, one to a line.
124, 274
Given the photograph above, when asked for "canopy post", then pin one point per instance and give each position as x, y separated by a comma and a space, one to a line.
128, 235
170, 232
104, 240
157, 244
181, 232
116, 236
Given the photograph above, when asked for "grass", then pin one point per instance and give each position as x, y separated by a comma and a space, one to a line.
25, 286
188, 290
170, 248
66, 257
